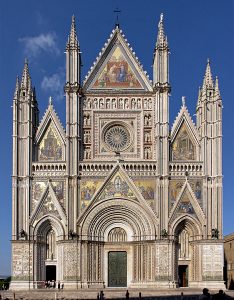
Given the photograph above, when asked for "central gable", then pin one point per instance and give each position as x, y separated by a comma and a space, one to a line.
117, 68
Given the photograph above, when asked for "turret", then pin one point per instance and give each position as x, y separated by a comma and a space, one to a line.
73, 106
209, 124
25, 122
162, 90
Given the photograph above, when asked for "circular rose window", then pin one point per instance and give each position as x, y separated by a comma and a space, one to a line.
117, 138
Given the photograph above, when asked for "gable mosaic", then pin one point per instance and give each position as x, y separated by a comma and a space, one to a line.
117, 73
183, 147
50, 147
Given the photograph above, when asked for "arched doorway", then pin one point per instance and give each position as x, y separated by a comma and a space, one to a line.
186, 232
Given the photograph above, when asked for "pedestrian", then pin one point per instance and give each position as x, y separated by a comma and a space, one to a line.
219, 296
127, 295
58, 285
62, 286
98, 298
205, 295
102, 295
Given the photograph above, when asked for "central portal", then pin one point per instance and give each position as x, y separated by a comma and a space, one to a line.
117, 269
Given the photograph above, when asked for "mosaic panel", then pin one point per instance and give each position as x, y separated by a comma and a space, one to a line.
117, 73
87, 190
175, 187
50, 148
38, 188
117, 187
185, 205
147, 188
183, 148
196, 186
58, 187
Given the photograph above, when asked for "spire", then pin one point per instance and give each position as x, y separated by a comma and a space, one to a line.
72, 39
208, 81
161, 39
26, 80
17, 87
183, 101
217, 91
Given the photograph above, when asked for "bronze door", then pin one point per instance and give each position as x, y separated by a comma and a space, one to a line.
117, 269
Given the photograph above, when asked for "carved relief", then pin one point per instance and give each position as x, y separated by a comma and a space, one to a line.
71, 259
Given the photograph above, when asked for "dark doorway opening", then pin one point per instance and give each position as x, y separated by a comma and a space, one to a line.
183, 275
50, 273
117, 269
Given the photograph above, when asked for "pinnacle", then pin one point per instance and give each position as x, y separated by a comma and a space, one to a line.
17, 87
72, 39
161, 39
26, 80
208, 80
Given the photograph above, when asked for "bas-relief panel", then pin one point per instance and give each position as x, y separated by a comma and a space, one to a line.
87, 190
212, 262
50, 148
183, 147
117, 73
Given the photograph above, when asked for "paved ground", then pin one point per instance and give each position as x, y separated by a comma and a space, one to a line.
146, 294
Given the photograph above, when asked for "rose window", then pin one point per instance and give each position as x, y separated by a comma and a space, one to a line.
117, 138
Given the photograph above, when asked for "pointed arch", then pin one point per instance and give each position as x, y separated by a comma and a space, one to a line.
50, 137
185, 143
117, 67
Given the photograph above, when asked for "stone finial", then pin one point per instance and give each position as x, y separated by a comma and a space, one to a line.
208, 80
183, 100
26, 80
50, 101
161, 38
72, 38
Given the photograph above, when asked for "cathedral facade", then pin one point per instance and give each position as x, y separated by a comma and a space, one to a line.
118, 198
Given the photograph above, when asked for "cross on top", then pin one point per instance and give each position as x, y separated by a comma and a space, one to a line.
117, 11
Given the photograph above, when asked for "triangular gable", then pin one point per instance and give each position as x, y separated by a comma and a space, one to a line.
184, 137
48, 205
118, 185
50, 137
186, 204
117, 68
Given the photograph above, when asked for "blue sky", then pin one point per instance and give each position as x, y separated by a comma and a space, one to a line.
196, 30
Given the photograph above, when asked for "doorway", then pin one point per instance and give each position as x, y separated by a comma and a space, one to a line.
183, 275
117, 269
50, 273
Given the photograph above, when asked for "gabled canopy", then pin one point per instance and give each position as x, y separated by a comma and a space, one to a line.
117, 68
51, 128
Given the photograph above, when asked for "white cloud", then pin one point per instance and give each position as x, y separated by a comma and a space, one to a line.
33, 46
54, 85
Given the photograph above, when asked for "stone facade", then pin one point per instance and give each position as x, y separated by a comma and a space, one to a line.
118, 186
229, 260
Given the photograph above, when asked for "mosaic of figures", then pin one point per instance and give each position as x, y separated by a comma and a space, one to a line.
50, 148
147, 189
38, 189
185, 205
48, 208
87, 190
175, 187
183, 147
117, 187
117, 73
117, 103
